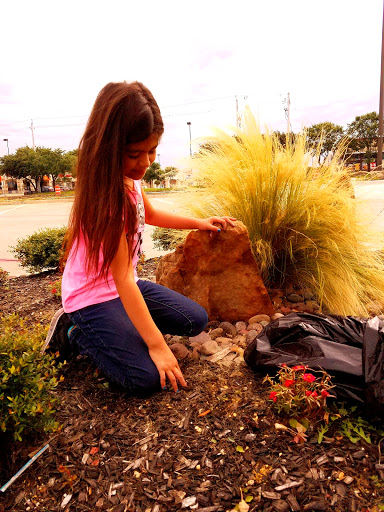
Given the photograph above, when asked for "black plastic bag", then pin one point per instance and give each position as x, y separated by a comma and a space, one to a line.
350, 349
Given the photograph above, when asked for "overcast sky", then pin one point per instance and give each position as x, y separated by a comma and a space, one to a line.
196, 57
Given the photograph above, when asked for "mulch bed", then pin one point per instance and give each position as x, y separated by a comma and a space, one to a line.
200, 449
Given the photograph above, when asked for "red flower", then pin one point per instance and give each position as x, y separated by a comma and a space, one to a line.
54, 290
308, 393
283, 365
308, 377
324, 393
288, 382
272, 396
299, 367
314, 394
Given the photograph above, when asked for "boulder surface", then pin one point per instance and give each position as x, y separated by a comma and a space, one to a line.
218, 271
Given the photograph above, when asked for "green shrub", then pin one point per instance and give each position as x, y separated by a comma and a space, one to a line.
41, 250
302, 221
3, 277
27, 379
167, 239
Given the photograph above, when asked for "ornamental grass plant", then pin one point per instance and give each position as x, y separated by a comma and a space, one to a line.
301, 220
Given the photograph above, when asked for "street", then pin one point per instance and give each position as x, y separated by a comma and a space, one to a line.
370, 194
18, 220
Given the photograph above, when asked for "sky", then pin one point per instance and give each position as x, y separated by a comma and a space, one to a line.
200, 59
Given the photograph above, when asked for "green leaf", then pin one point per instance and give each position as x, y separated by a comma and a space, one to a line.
322, 431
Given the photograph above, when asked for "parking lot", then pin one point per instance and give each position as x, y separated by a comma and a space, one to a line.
20, 220
23, 219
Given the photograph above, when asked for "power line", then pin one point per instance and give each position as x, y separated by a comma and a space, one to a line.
57, 117
58, 125
15, 122
87, 115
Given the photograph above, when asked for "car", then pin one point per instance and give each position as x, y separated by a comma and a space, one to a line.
47, 189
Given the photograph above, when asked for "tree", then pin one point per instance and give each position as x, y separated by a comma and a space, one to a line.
34, 165
24, 164
169, 172
363, 132
56, 162
71, 157
152, 173
157, 174
326, 134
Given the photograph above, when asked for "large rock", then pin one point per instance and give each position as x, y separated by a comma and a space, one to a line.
218, 271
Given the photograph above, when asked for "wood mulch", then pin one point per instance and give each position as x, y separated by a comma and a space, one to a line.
202, 449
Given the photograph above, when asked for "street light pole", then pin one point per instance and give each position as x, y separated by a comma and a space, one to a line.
190, 139
381, 107
6, 140
158, 156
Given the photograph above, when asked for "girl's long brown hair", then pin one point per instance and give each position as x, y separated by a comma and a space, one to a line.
123, 113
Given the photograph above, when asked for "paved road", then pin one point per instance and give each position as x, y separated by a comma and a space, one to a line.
370, 195
20, 220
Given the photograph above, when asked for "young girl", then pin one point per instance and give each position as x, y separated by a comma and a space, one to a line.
112, 316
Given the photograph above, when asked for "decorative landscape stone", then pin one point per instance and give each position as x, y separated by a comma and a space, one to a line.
180, 351
218, 271
215, 333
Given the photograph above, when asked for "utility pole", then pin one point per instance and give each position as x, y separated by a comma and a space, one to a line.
33, 136
381, 107
238, 116
6, 140
288, 114
190, 138
158, 156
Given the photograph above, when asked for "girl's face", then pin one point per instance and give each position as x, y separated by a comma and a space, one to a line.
139, 156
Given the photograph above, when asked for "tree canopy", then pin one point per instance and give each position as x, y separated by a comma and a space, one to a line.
363, 132
157, 174
32, 165
325, 136
152, 173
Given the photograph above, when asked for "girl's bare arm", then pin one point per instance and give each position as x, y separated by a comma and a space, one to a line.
164, 219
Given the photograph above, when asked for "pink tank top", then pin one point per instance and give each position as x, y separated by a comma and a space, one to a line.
78, 289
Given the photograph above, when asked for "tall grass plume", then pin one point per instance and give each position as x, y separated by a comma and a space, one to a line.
301, 220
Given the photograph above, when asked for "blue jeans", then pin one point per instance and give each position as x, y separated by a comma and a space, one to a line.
106, 334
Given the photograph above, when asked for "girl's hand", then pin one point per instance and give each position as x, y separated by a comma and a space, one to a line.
167, 365
208, 224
